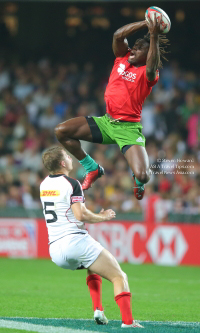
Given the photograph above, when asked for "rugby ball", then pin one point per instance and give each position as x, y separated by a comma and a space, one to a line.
165, 18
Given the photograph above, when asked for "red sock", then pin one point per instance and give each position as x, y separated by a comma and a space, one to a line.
123, 300
94, 282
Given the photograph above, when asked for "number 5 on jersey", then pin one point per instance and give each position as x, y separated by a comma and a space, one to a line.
48, 212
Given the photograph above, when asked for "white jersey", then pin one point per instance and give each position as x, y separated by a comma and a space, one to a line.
57, 194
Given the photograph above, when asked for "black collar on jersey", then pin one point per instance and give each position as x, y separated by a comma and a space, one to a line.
52, 176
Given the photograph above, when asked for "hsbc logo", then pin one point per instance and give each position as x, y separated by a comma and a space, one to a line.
167, 245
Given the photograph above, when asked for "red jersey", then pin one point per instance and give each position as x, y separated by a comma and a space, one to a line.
127, 90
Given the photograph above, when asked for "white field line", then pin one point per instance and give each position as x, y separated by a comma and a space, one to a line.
166, 280
173, 323
164, 323
38, 328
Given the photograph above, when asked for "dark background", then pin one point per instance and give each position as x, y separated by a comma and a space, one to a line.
83, 31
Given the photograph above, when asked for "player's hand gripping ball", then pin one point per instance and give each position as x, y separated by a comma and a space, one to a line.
150, 12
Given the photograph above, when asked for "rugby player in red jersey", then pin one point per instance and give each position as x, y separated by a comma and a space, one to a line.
134, 73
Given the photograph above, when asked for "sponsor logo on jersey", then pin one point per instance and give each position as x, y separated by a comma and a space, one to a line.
77, 199
126, 75
49, 193
140, 139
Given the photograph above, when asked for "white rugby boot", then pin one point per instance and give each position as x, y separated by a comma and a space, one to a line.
100, 317
134, 324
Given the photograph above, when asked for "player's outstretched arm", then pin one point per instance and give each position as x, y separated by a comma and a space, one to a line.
153, 56
85, 215
120, 43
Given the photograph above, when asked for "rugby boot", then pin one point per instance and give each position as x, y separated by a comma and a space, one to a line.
100, 317
91, 177
138, 190
134, 324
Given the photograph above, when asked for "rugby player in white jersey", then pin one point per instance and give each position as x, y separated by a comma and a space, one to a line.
70, 245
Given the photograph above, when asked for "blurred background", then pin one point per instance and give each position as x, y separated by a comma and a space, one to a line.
55, 61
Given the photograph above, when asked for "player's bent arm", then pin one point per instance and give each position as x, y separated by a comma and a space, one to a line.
85, 215
120, 43
153, 58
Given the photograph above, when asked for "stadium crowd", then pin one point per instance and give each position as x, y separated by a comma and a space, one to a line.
35, 97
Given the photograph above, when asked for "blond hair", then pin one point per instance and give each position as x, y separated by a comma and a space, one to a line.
52, 157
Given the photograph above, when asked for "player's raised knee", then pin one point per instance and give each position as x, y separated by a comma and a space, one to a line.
125, 277
125, 280
62, 131
57, 131
121, 276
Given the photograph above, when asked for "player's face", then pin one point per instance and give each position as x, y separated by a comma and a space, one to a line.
138, 55
68, 162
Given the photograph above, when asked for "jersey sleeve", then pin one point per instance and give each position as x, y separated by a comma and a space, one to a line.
119, 59
152, 83
77, 194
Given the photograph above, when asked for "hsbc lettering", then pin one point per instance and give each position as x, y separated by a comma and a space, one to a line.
132, 231
119, 241
166, 245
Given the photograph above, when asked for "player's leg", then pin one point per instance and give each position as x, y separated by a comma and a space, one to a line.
138, 161
69, 134
94, 282
107, 267
131, 141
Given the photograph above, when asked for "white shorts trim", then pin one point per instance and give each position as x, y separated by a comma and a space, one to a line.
74, 251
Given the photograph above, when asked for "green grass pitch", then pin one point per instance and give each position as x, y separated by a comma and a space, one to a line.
39, 289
